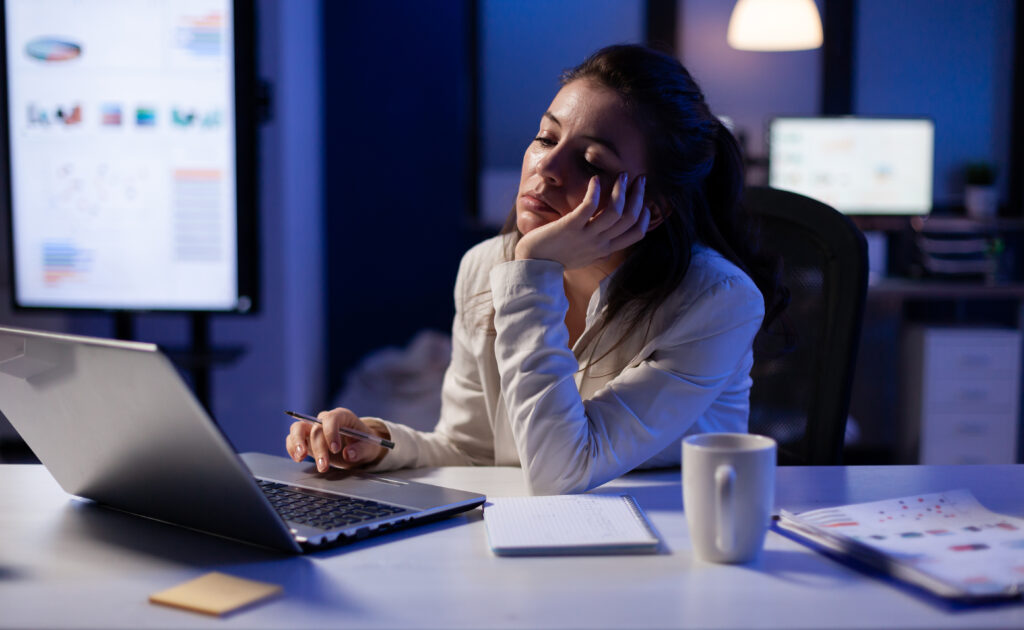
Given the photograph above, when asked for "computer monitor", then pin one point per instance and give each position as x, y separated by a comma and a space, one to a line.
857, 165
129, 138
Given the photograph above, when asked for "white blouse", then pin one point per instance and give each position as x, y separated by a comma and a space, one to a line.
515, 394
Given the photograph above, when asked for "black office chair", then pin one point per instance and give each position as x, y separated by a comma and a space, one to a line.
803, 367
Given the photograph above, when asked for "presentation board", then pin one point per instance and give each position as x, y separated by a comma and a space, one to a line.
130, 166
877, 166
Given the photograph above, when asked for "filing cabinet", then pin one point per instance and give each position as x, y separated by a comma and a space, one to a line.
961, 395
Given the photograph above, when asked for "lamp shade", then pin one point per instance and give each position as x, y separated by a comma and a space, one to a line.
767, 25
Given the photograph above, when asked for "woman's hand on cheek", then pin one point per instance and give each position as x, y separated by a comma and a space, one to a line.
588, 233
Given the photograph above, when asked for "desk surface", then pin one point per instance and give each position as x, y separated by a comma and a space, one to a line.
67, 563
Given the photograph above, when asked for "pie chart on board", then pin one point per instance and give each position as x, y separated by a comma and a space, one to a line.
50, 49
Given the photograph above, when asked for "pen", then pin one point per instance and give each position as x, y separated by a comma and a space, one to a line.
346, 431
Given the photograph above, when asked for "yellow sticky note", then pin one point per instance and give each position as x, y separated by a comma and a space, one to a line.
215, 593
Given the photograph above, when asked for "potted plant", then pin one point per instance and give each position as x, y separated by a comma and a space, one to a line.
980, 195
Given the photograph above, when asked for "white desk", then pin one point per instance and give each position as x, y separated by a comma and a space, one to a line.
65, 563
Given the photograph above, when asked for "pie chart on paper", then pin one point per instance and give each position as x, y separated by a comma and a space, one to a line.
50, 49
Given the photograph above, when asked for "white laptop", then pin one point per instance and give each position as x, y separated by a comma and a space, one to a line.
114, 422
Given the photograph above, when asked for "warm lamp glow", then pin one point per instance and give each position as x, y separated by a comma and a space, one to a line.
766, 25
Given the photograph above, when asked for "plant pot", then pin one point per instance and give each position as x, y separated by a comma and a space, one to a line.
981, 202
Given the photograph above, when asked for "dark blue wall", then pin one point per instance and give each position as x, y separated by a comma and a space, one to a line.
397, 127
950, 60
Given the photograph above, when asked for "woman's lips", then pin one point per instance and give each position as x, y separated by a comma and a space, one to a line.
536, 205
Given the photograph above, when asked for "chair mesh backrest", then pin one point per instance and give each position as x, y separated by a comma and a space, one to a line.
803, 367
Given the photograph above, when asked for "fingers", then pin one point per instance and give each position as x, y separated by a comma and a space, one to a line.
333, 419
318, 448
348, 451
635, 206
297, 442
623, 210
588, 207
358, 452
327, 446
610, 212
634, 233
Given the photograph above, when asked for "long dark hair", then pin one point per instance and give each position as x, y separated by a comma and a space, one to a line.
695, 176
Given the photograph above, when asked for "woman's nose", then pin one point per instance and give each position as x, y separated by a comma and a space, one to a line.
551, 167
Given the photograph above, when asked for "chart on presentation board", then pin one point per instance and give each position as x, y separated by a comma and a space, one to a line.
122, 153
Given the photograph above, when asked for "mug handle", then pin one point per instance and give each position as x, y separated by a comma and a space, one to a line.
725, 514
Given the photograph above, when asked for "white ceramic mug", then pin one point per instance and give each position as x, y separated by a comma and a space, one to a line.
728, 493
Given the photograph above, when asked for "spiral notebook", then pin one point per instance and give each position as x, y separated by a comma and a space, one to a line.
577, 524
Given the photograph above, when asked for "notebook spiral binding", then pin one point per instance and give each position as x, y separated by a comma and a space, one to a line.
634, 507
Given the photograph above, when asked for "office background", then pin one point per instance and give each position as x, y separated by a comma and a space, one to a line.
386, 115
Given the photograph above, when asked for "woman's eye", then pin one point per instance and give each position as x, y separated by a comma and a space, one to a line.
592, 168
544, 142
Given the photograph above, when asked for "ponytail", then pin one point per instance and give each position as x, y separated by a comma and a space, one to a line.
728, 226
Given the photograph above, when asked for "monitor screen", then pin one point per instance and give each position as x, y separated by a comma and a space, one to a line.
122, 151
878, 166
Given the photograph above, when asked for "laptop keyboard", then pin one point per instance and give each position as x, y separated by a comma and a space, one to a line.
323, 511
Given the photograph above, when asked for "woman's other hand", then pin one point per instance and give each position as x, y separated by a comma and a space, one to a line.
328, 447
589, 234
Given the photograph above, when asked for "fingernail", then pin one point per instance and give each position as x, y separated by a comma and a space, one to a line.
335, 446
320, 463
351, 453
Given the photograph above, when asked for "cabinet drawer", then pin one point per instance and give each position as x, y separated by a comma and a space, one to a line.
986, 359
971, 396
969, 439
953, 426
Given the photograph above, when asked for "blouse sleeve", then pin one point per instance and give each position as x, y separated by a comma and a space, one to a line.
567, 444
463, 435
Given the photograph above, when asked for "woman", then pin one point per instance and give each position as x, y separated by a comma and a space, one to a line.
615, 313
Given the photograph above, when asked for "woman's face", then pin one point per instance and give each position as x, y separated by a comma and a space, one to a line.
586, 131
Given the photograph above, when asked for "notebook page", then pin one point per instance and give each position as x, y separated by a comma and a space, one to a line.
565, 521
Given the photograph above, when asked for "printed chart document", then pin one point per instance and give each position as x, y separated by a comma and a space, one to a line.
568, 525
946, 543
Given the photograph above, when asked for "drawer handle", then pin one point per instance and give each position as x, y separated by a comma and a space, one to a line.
975, 360
973, 394
970, 428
